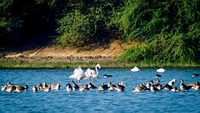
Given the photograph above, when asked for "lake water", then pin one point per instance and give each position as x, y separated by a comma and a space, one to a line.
93, 101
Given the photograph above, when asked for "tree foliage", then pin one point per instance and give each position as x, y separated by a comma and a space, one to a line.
75, 27
19, 19
168, 29
88, 22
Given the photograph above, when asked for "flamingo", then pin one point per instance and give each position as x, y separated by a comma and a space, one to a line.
91, 73
135, 69
78, 74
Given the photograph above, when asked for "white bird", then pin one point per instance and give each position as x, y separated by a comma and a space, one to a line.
91, 73
78, 74
160, 70
135, 69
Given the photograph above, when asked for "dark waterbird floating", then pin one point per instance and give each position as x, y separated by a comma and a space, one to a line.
75, 86
107, 76
103, 87
91, 86
158, 75
15, 88
195, 75
184, 87
68, 87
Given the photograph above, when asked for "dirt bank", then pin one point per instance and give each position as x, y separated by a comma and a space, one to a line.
69, 54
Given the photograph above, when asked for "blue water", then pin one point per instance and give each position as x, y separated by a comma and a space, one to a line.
93, 101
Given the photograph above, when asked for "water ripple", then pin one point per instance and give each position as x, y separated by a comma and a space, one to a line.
97, 102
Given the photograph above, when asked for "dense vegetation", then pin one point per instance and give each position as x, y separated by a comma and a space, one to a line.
168, 30
88, 21
23, 20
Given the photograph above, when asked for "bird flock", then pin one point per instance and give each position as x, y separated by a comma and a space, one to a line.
89, 74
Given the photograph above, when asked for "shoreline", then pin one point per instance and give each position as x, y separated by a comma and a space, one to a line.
84, 62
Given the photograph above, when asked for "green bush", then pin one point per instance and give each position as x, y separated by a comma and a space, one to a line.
88, 22
164, 48
74, 27
170, 30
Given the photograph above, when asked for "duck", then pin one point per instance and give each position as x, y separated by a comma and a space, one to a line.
10, 84
84, 88
184, 87
39, 87
15, 88
158, 75
137, 89
55, 86
75, 87
167, 87
35, 89
140, 88
45, 87
119, 87
3, 88
170, 85
122, 83
20, 88
195, 75
91, 86
153, 88
172, 82
157, 81
69, 87
158, 85
148, 84
111, 87
9, 88
102, 88
107, 76
174, 89
195, 86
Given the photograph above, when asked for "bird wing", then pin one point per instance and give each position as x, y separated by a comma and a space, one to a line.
78, 73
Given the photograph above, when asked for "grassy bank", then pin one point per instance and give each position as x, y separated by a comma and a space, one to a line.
5, 63
55, 64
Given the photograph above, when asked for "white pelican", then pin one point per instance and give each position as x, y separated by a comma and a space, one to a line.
135, 69
160, 70
78, 74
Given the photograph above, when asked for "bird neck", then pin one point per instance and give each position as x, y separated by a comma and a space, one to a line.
96, 70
